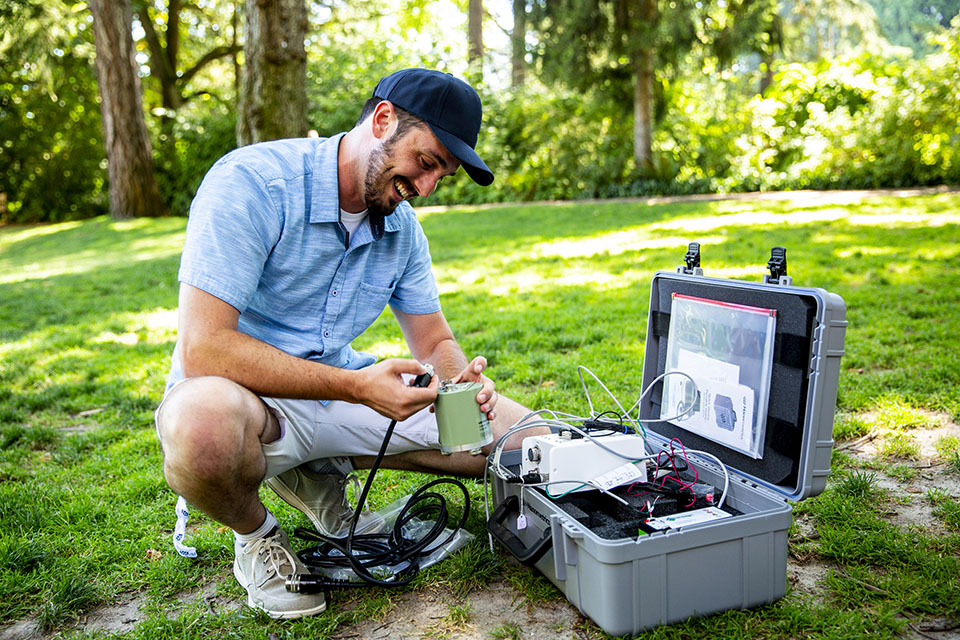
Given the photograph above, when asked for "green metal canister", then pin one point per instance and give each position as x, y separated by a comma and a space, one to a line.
462, 426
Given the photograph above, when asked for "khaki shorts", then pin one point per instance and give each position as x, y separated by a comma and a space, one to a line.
311, 431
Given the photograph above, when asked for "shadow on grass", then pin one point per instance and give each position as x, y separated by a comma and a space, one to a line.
536, 289
525, 310
66, 335
534, 324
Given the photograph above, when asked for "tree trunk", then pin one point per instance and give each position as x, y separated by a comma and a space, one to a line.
643, 112
234, 40
475, 35
519, 41
643, 94
133, 189
274, 99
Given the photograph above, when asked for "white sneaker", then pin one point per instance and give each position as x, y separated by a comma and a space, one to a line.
323, 498
262, 567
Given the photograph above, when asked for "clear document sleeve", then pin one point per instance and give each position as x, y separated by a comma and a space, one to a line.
728, 351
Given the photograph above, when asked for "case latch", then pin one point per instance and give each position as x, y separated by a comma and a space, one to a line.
778, 268
692, 261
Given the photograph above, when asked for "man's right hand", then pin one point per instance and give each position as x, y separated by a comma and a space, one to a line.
382, 388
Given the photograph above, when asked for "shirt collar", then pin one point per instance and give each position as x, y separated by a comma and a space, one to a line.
325, 201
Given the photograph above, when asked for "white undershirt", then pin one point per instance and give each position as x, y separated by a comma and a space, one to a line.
352, 220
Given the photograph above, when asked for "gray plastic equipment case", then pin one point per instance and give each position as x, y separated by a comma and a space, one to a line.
633, 583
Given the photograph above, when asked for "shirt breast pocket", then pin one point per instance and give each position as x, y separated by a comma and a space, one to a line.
371, 301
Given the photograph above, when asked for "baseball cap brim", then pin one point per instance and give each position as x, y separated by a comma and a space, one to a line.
472, 164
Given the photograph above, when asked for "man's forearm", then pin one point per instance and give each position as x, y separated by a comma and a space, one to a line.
267, 371
447, 358
264, 369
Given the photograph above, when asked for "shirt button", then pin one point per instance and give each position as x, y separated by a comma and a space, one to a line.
326, 334
334, 293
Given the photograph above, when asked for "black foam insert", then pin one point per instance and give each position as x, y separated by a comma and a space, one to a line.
790, 376
610, 519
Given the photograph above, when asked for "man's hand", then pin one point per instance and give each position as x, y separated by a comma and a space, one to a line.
487, 397
382, 388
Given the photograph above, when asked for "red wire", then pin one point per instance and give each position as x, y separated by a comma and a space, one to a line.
635, 495
672, 458
696, 476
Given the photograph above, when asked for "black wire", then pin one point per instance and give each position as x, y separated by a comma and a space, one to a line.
364, 551
597, 424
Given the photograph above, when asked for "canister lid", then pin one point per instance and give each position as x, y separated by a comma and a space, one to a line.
459, 386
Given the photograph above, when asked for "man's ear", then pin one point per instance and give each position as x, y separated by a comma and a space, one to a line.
383, 120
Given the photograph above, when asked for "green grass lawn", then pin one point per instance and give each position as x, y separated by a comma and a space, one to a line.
87, 323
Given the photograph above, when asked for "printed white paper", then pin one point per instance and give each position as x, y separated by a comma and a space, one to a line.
624, 474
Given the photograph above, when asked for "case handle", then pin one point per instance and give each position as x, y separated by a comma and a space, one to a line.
691, 261
778, 268
526, 555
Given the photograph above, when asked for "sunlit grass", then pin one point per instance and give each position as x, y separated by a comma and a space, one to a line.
893, 413
88, 321
82, 247
850, 426
899, 445
947, 447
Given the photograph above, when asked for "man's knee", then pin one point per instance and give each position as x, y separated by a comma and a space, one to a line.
202, 425
197, 406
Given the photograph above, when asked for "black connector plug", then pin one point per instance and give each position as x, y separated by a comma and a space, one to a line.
423, 380
706, 494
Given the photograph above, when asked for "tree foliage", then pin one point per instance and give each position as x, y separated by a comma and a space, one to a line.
51, 146
746, 94
914, 23
629, 48
176, 58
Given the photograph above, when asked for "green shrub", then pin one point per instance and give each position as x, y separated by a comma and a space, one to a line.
202, 134
52, 165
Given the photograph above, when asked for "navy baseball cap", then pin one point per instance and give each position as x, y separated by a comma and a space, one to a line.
449, 106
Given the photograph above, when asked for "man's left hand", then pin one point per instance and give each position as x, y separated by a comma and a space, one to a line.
487, 397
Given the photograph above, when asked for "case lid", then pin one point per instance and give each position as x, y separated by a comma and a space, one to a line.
797, 442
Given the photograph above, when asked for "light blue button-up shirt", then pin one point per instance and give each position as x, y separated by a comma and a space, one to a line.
264, 236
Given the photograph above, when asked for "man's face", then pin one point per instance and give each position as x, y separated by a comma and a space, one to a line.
405, 167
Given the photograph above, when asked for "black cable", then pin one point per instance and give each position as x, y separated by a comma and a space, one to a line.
364, 551
598, 424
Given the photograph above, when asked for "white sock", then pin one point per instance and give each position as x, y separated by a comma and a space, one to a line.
269, 524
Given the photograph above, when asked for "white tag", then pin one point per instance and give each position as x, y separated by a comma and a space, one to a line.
521, 522
623, 474
180, 529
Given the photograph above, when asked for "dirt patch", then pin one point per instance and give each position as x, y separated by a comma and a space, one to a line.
413, 616
870, 446
496, 608
907, 504
125, 615
806, 577
20, 630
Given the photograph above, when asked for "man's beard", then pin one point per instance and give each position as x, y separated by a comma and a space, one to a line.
376, 184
